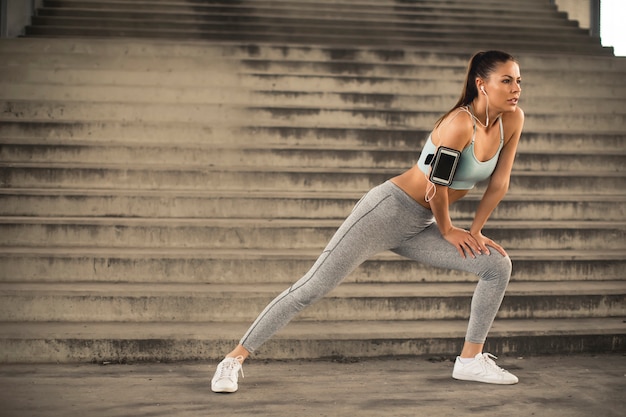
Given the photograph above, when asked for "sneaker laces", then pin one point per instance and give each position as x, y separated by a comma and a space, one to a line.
488, 358
229, 365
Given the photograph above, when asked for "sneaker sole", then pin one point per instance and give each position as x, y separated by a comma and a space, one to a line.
473, 378
224, 390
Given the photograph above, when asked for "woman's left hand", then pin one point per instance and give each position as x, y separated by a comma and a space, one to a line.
483, 241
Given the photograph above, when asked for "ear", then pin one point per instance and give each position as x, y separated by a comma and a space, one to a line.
479, 83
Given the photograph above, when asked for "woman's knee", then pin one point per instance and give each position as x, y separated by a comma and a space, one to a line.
310, 289
303, 297
498, 267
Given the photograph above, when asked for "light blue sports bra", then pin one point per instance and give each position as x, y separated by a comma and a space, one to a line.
469, 170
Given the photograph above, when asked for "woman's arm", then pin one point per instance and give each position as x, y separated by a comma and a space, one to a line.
499, 182
455, 133
461, 239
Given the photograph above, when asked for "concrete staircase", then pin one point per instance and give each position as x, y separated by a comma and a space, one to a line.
530, 25
156, 194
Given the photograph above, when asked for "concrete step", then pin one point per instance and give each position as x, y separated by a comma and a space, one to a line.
356, 84
237, 96
534, 102
611, 160
18, 95
138, 54
102, 67
222, 115
358, 8
89, 110
401, 70
137, 93
277, 204
164, 134
151, 177
290, 89
591, 48
122, 342
541, 4
307, 116
310, 19
366, 65
349, 302
379, 15
272, 5
276, 233
247, 266
533, 140
309, 25
293, 9
107, 68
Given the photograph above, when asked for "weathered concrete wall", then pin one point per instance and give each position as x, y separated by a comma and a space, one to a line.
586, 12
16, 15
577, 10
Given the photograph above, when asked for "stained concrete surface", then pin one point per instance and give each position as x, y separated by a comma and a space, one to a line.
555, 386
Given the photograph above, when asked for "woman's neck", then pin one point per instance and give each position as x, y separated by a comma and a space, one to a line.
483, 115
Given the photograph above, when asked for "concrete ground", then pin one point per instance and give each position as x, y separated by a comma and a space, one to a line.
551, 386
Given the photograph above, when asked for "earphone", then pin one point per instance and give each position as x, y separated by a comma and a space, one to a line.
482, 88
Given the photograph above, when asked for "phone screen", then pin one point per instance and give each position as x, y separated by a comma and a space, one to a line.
443, 168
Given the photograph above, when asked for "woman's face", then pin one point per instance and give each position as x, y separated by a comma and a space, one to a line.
503, 87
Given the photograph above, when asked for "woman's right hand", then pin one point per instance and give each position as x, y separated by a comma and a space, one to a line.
463, 241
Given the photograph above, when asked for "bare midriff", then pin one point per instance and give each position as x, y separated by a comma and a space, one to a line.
414, 183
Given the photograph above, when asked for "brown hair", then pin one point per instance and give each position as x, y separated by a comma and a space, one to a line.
481, 65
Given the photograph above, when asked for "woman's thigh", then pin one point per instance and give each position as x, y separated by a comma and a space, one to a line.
373, 226
380, 221
429, 247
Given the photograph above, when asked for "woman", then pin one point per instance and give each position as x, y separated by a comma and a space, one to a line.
409, 215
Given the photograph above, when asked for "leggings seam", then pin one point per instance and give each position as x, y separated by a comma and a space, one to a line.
328, 251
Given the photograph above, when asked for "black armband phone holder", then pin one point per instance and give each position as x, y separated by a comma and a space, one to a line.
444, 163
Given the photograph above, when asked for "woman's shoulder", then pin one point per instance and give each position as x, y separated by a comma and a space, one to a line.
458, 119
455, 129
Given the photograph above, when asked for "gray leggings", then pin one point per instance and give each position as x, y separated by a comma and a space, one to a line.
386, 218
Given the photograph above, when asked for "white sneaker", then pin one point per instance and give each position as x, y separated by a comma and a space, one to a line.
483, 369
226, 375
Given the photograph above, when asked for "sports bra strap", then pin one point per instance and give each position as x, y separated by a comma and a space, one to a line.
470, 111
